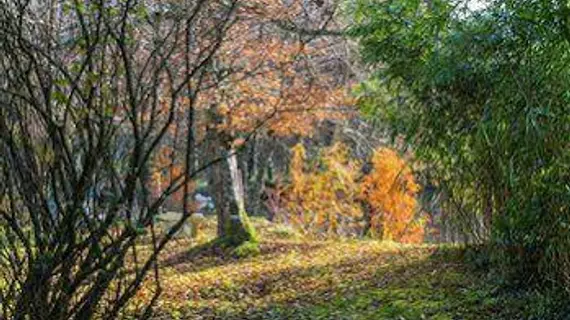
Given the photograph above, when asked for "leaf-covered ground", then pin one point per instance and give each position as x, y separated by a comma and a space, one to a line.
300, 279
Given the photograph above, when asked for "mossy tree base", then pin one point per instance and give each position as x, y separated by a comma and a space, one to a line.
239, 230
239, 239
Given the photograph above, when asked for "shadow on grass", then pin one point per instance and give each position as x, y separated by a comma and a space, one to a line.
382, 286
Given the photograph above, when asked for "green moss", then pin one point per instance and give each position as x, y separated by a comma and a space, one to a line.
246, 249
243, 237
240, 230
240, 239
248, 227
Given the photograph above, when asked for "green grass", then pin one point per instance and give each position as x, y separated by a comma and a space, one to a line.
307, 279
440, 289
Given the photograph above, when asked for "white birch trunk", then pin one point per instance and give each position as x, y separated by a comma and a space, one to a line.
237, 181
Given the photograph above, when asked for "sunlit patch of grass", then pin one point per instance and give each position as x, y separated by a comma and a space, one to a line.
352, 279
282, 232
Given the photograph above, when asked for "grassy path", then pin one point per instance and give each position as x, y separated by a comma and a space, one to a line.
294, 279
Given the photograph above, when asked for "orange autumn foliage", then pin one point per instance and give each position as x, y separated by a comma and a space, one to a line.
266, 80
276, 78
165, 169
326, 199
323, 200
390, 189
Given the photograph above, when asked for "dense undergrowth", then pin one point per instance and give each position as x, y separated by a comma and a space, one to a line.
294, 278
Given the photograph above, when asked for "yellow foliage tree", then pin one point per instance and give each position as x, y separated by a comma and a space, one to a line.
323, 200
390, 189
326, 199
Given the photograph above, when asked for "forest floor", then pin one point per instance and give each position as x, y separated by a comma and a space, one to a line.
294, 278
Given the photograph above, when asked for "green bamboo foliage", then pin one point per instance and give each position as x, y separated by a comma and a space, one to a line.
483, 100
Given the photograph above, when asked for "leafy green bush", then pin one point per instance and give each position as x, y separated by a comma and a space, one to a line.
483, 100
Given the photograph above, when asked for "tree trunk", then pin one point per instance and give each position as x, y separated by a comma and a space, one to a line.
367, 210
217, 190
217, 179
237, 181
238, 228
256, 167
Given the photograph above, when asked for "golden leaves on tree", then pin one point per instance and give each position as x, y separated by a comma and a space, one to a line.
325, 197
390, 190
